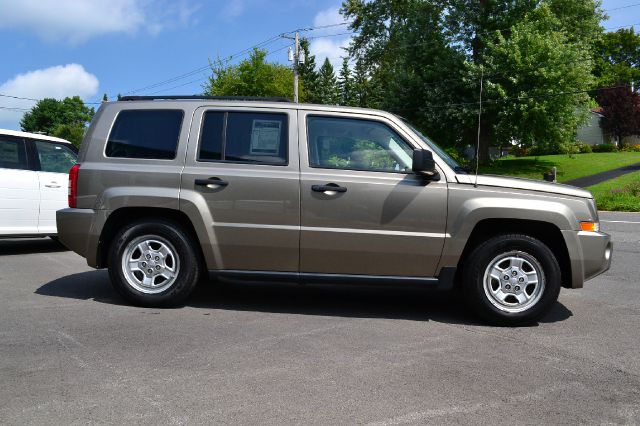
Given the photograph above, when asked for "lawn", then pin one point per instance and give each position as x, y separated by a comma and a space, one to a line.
569, 168
619, 194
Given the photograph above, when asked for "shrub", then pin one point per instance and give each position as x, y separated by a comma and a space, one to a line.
630, 148
605, 147
569, 148
584, 148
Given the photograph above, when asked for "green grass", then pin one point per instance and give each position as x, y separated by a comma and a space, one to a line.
569, 168
619, 194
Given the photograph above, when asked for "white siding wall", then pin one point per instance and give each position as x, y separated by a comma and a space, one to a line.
591, 133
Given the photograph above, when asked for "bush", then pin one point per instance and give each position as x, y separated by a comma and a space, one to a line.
605, 147
630, 148
455, 154
584, 148
569, 148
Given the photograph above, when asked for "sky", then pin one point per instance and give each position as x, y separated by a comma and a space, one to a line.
58, 48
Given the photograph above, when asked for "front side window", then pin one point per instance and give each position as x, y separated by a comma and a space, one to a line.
151, 134
12, 154
244, 137
55, 157
345, 143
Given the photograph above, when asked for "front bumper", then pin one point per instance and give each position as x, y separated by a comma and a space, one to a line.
590, 254
75, 232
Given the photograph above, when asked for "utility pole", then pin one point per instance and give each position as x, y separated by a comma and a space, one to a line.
296, 59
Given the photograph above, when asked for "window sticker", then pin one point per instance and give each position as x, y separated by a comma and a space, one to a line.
265, 137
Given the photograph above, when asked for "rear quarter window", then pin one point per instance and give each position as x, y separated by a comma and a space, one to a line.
150, 134
12, 154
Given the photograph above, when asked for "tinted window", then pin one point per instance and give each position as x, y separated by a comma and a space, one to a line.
211, 141
54, 157
12, 154
343, 143
145, 134
248, 138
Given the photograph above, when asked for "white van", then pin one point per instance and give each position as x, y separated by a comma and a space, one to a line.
34, 172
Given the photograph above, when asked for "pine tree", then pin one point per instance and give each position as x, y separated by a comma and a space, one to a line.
360, 85
345, 84
327, 90
308, 74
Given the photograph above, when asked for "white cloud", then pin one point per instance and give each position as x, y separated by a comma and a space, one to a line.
55, 82
75, 21
328, 46
233, 8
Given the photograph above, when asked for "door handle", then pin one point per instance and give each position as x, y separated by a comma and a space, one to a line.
52, 185
211, 183
330, 187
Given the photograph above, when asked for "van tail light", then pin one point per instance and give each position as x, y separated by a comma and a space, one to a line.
73, 185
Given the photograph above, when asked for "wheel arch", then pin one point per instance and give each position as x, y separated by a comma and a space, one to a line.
125, 215
546, 232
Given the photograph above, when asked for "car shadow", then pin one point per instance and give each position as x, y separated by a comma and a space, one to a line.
29, 245
320, 300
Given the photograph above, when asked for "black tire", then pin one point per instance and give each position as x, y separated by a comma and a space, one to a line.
183, 248
488, 307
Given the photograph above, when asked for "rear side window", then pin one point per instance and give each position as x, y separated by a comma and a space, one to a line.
244, 137
12, 154
55, 157
151, 134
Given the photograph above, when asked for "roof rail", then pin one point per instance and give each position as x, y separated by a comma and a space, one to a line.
216, 98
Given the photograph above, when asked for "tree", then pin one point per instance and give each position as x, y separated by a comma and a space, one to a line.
617, 58
345, 85
327, 90
621, 111
544, 96
49, 114
308, 74
424, 59
251, 77
71, 132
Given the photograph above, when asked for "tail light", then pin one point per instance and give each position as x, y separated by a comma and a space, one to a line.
73, 185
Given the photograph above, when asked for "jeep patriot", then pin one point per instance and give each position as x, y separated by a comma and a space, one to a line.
168, 190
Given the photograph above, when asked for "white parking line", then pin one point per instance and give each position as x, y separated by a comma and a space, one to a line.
618, 221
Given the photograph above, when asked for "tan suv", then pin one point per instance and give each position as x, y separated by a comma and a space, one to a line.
168, 189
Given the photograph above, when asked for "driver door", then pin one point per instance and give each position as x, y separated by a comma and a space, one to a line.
363, 211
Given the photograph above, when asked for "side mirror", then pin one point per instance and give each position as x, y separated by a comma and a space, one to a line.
423, 164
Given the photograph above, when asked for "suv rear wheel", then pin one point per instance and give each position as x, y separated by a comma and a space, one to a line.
511, 280
154, 263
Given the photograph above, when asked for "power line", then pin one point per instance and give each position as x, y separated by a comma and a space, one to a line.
37, 100
202, 78
622, 7
517, 98
204, 68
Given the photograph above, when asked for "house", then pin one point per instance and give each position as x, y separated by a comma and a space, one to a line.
591, 133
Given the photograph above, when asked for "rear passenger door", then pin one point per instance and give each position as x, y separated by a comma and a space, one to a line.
55, 161
19, 198
242, 176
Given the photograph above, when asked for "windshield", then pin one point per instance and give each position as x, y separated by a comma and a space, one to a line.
434, 147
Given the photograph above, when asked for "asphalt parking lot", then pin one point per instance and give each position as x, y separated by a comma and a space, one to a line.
71, 352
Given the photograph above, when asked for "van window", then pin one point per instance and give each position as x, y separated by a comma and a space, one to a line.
12, 154
244, 137
151, 134
55, 157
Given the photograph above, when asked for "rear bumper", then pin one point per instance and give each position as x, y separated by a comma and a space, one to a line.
590, 254
75, 228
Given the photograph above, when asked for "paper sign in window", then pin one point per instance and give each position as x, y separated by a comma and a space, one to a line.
265, 137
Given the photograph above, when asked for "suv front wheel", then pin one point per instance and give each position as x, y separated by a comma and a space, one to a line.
511, 280
153, 263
